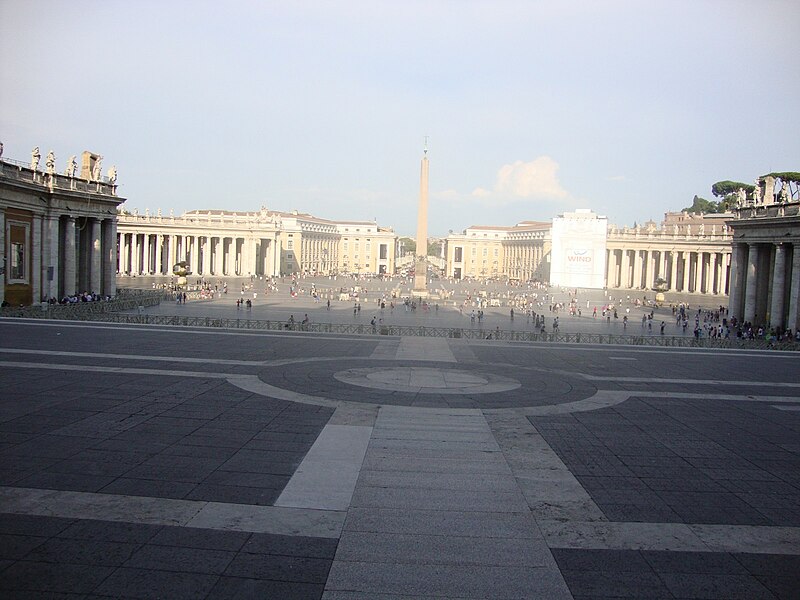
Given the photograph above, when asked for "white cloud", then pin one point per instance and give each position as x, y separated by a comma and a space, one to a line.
618, 178
536, 179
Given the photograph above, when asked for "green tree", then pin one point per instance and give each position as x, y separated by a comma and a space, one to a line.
408, 245
701, 205
727, 192
791, 179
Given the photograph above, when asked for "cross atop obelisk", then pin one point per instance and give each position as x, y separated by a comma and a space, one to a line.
421, 261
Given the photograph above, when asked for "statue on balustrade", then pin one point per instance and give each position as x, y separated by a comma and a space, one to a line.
741, 197
112, 175
35, 157
97, 170
757, 192
50, 163
784, 194
72, 166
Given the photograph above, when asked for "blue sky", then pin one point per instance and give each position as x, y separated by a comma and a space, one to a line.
629, 108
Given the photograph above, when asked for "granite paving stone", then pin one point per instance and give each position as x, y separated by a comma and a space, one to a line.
151, 583
670, 474
34, 576
259, 589
182, 559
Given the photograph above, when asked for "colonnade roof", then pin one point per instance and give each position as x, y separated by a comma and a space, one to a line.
275, 213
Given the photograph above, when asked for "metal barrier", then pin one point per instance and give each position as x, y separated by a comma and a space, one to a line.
442, 332
112, 311
87, 311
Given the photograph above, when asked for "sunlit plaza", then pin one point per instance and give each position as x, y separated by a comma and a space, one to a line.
399, 301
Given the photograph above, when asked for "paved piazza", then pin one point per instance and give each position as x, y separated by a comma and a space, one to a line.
163, 462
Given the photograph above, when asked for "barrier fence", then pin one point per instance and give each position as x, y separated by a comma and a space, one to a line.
112, 312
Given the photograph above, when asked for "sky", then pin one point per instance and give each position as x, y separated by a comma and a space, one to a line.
531, 108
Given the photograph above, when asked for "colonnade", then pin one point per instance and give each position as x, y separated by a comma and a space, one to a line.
766, 284
522, 260
57, 255
206, 255
318, 254
685, 270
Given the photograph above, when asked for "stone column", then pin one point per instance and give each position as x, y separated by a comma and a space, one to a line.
686, 269
37, 277
171, 254
701, 274
206, 250
736, 294
751, 283
50, 247
794, 295
673, 271
624, 275
713, 285
125, 262
158, 255
109, 227
95, 257
636, 278
3, 258
69, 256
776, 309
195, 255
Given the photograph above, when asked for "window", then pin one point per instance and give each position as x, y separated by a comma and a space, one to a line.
17, 261
495, 252
485, 252
457, 255
17, 270
384, 251
290, 244
474, 251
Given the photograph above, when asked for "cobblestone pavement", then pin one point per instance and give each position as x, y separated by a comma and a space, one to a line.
158, 462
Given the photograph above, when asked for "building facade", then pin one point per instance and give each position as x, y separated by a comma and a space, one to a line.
688, 254
219, 243
57, 231
578, 256
765, 278
520, 252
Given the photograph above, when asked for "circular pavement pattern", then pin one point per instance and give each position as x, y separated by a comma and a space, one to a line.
427, 384
427, 380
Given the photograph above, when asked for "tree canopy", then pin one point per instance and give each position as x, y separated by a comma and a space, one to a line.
721, 189
701, 205
786, 176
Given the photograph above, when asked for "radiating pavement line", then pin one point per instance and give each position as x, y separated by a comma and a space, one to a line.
676, 537
168, 511
450, 529
424, 349
326, 478
550, 488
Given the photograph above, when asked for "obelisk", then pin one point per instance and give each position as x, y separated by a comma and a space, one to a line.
421, 262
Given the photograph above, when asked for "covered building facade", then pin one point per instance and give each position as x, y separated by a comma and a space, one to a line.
57, 231
687, 253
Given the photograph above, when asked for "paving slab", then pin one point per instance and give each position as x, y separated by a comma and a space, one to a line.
601, 472
327, 476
